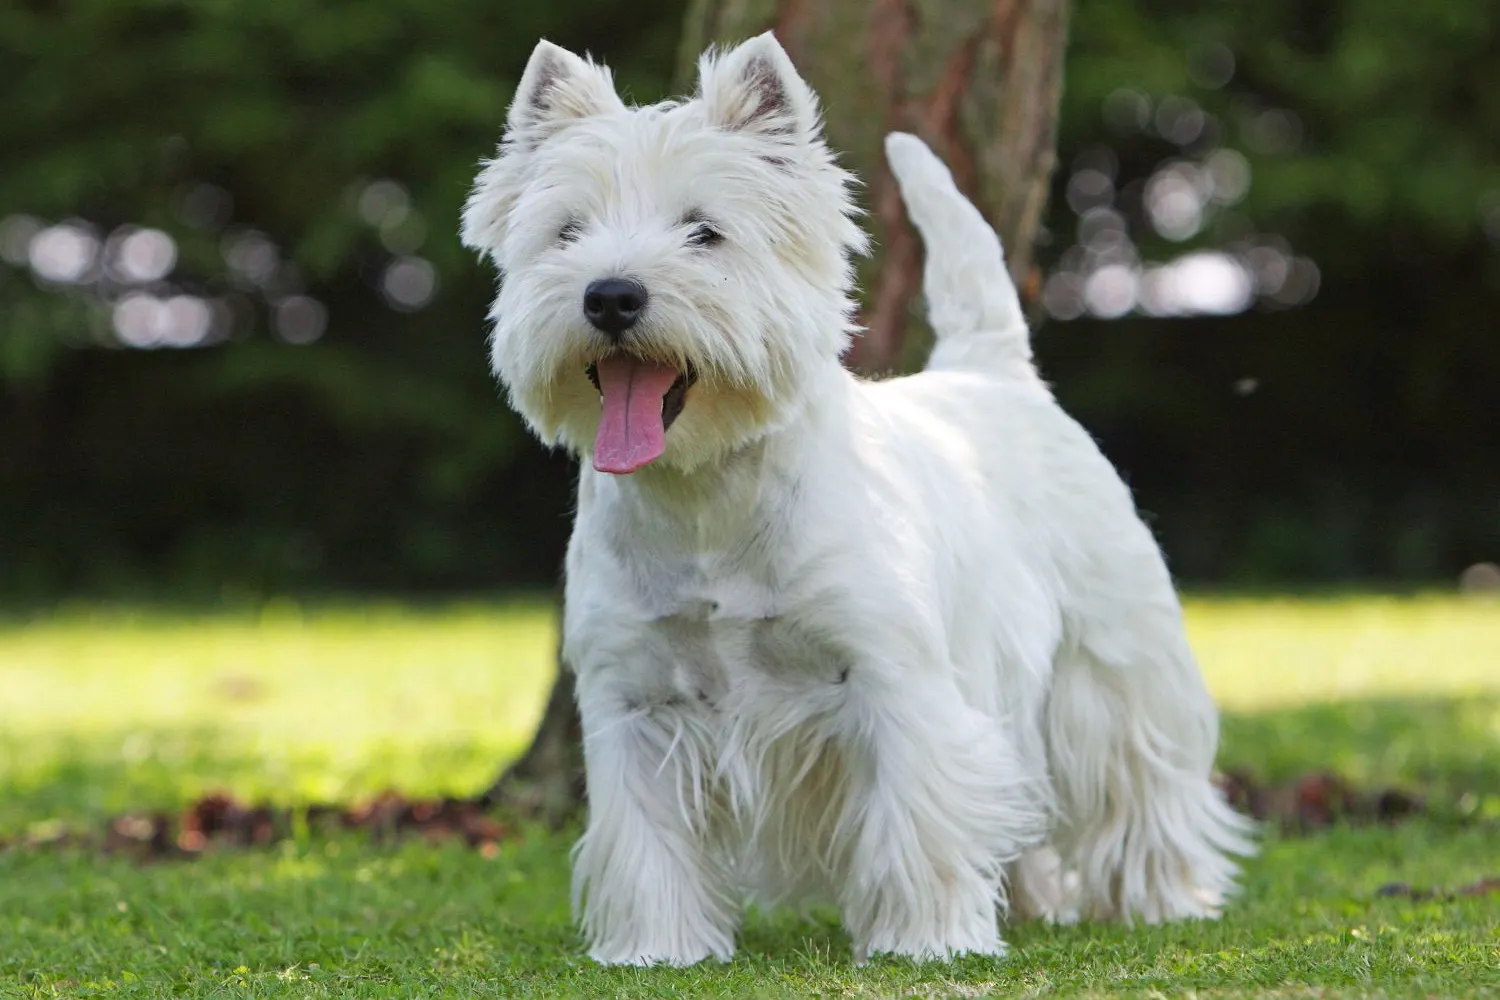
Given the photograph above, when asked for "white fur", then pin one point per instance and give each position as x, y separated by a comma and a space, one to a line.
874, 644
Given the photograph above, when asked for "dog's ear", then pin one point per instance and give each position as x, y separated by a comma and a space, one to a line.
487, 209
755, 88
559, 87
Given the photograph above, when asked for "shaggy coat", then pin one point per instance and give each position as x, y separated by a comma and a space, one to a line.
902, 646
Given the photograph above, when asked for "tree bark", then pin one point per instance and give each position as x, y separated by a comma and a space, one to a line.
546, 782
980, 81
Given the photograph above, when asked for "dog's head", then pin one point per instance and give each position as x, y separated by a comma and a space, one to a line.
683, 266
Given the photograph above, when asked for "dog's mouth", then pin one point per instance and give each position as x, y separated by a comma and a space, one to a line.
640, 399
671, 403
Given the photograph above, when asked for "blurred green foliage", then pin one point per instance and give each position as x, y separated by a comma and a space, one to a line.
381, 455
1355, 437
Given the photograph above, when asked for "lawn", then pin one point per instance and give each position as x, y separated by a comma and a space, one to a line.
106, 710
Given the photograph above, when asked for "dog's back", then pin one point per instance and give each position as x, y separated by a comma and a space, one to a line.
971, 300
1130, 728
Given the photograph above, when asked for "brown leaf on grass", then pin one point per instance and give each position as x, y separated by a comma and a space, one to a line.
1316, 801
219, 816
220, 819
324, 816
1312, 802
381, 815
1484, 887
1400, 890
1395, 805
144, 837
210, 815
1323, 798
1242, 791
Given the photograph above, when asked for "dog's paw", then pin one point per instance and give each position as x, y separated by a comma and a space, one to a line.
929, 948
643, 955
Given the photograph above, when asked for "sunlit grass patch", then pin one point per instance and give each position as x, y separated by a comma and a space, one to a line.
108, 710
1272, 653
1379, 689
102, 710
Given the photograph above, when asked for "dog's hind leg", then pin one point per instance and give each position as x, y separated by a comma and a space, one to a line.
1042, 888
650, 875
1132, 735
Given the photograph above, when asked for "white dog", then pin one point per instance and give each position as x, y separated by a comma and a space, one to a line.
890, 645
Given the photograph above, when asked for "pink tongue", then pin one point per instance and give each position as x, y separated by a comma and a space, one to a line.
630, 430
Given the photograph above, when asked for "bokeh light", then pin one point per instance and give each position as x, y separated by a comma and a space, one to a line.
1127, 111
1185, 199
1090, 188
137, 256
1481, 579
300, 319
1229, 175
409, 283
1489, 215
63, 254
1274, 132
1204, 283
1110, 292
1062, 295
1175, 201
1180, 120
250, 255
384, 203
143, 320
1211, 65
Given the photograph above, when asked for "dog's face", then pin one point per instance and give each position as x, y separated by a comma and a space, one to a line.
682, 267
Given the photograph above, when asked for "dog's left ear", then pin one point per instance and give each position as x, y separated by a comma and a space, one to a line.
755, 88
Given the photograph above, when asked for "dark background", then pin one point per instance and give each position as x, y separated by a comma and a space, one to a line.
330, 423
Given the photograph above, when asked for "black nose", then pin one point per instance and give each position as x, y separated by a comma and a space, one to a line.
614, 304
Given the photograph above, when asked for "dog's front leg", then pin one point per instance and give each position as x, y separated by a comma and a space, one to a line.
648, 872
939, 803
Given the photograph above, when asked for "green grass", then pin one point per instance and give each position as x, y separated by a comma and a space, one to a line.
100, 711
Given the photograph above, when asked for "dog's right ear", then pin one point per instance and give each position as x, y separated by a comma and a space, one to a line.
559, 87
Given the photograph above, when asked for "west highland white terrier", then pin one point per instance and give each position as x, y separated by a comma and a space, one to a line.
898, 646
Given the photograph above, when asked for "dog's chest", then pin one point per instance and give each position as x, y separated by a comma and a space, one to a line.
732, 634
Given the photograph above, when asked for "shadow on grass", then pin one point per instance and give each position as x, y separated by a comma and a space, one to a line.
1444, 748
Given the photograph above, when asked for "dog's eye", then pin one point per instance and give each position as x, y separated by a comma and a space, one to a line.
704, 233
570, 232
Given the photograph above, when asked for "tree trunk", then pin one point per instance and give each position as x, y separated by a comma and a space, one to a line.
546, 782
980, 81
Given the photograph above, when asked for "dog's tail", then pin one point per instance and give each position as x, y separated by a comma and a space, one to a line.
971, 301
